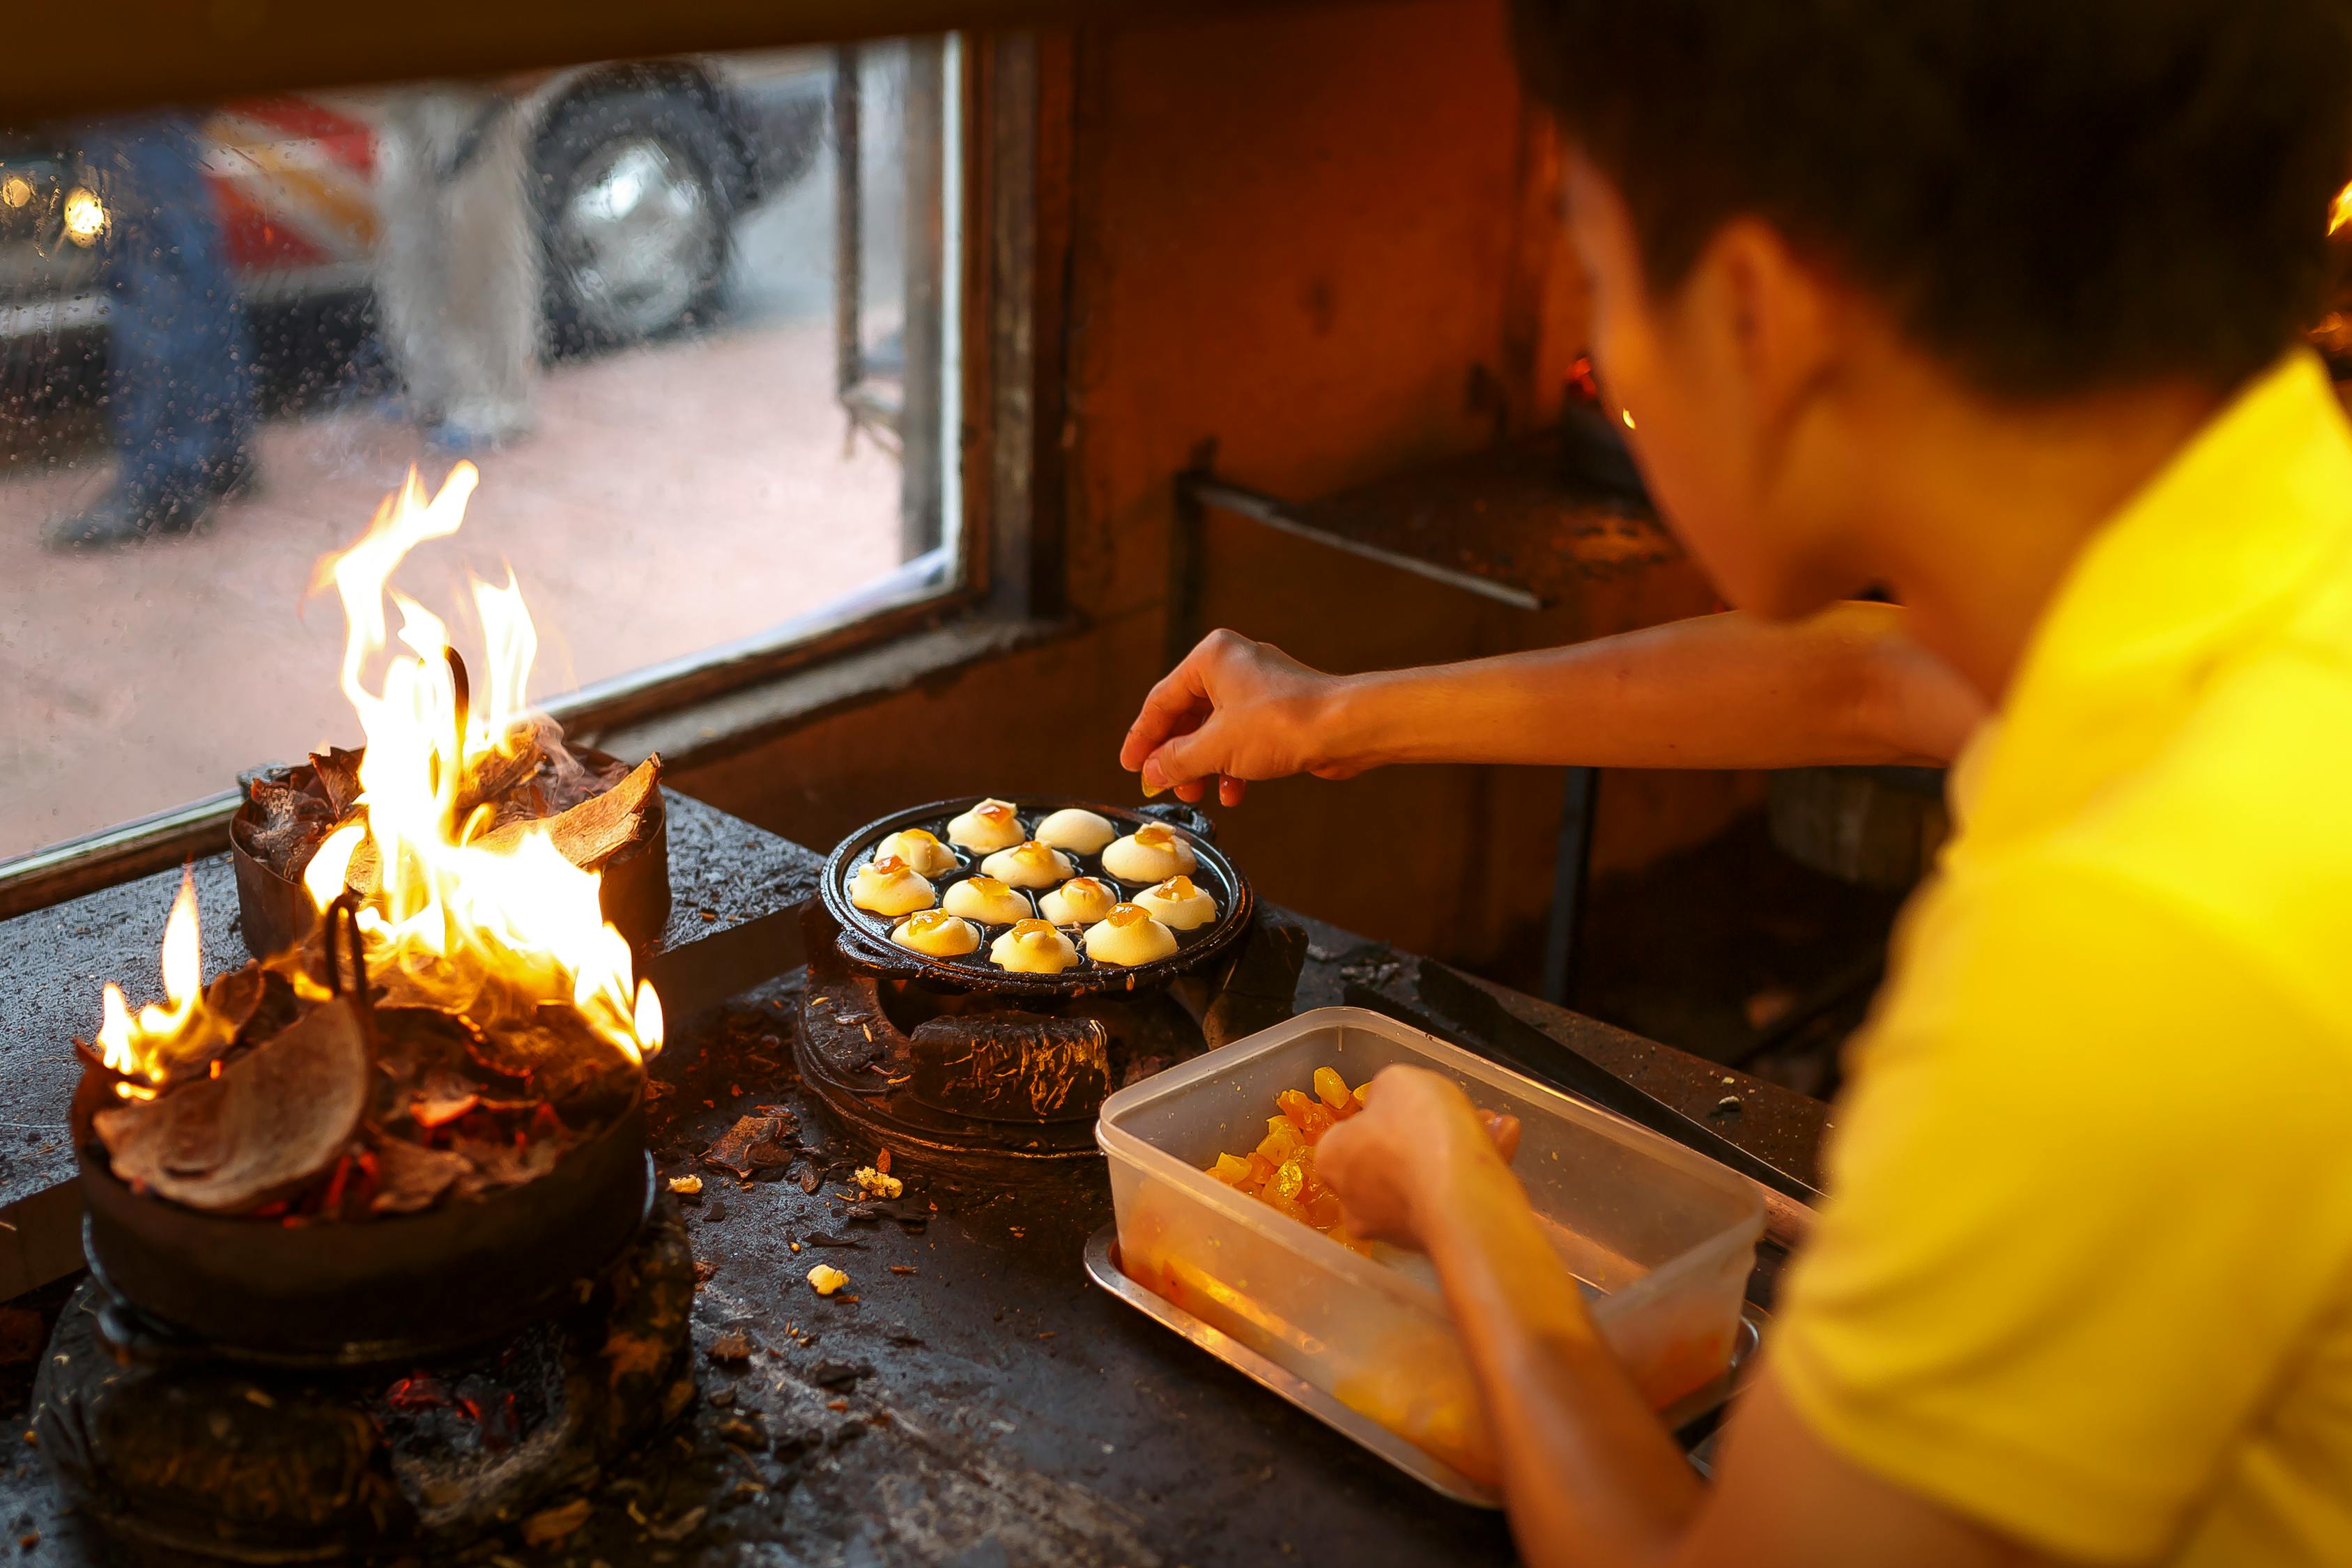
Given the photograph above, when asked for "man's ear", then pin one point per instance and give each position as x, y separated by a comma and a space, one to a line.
1779, 316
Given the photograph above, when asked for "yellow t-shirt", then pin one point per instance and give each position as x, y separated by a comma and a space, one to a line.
2086, 1275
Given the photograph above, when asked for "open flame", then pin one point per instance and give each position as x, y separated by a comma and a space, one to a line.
490, 928
181, 1025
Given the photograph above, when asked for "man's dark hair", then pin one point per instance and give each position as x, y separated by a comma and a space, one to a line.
2052, 196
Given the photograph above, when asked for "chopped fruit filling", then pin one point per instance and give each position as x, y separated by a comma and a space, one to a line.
1280, 1172
1125, 915
827, 1278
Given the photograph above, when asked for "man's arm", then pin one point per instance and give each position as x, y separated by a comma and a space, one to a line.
1590, 1475
1716, 691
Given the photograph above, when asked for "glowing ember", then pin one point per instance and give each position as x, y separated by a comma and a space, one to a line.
488, 926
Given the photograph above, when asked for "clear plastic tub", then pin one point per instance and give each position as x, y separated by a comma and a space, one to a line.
1663, 1238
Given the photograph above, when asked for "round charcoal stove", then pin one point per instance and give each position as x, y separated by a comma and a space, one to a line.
953, 1063
288, 1349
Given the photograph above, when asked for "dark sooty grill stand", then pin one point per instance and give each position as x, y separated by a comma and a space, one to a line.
954, 1064
170, 1444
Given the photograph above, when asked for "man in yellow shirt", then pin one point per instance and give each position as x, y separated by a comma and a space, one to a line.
1993, 301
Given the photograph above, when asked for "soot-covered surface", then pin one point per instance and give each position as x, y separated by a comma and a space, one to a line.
968, 1398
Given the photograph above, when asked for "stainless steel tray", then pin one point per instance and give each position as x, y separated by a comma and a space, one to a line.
1102, 1267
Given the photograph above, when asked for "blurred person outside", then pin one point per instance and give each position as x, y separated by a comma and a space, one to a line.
179, 367
460, 277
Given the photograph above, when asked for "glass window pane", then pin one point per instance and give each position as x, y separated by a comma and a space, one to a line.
686, 316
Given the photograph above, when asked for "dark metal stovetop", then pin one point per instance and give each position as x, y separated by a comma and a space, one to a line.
988, 1405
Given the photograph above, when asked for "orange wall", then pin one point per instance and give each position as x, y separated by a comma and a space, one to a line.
1310, 239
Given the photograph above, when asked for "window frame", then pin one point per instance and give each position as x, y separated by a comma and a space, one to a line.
1002, 571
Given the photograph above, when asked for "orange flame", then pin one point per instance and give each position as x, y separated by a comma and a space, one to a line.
181, 1027
491, 931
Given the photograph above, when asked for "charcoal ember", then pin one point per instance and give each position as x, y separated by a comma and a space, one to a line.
563, 1060
754, 1143
277, 1008
289, 821
255, 1002
526, 802
503, 1163
601, 827
568, 778
337, 773
267, 1126
442, 1098
491, 777
235, 996
410, 1176
416, 1045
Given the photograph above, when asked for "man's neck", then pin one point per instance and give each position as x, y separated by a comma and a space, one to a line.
1980, 509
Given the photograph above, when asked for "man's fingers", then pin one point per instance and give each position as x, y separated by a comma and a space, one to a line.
1230, 790
1173, 705
1157, 724
1503, 1131
1183, 759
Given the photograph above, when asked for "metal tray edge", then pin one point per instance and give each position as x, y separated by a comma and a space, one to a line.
1102, 1268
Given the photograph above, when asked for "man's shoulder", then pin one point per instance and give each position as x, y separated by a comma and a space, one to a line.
2235, 835
2199, 902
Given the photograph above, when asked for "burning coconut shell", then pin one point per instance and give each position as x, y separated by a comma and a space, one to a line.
266, 1125
605, 815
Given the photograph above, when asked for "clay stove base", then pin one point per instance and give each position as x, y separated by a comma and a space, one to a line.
172, 1448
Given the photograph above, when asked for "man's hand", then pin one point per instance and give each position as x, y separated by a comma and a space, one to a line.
1233, 712
1391, 1161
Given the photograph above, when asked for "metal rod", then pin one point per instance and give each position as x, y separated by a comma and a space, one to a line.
921, 441
848, 227
1266, 508
1571, 863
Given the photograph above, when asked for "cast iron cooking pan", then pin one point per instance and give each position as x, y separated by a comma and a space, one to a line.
866, 937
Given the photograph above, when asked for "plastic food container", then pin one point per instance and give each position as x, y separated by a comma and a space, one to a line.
1662, 1239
